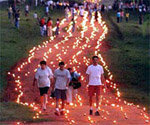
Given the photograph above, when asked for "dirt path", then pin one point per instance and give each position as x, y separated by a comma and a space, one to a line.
74, 49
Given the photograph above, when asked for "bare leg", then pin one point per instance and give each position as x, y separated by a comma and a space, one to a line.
42, 100
57, 103
63, 104
97, 101
90, 101
45, 101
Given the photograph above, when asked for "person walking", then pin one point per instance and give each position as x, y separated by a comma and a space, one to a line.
42, 22
95, 79
127, 16
43, 78
46, 10
73, 85
118, 16
82, 12
66, 13
96, 15
17, 19
10, 12
73, 25
57, 27
49, 27
121, 15
62, 79
26, 10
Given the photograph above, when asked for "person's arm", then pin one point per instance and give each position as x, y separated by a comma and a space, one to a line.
103, 80
68, 81
87, 78
68, 78
54, 81
87, 75
34, 81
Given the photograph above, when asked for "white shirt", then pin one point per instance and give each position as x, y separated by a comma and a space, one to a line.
82, 12
95, 73
43, 77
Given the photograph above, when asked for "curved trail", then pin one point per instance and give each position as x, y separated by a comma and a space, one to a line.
74, 49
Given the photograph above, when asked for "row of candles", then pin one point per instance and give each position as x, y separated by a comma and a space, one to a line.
75, 61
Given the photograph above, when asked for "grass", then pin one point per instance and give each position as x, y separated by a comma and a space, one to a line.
22, 113
128, 56
14, 45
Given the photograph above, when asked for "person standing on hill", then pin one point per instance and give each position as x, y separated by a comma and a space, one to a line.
73, 25
46, 10
118, 16
95, 79
57, 27
10, 12
26, 10
62, 79
96, 15
66, 13
49, 27
42, 22
127, 16
43, 78
17, 19
121, 15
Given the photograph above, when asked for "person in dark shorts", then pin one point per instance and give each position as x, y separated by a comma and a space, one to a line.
43, 78
95, 78
62, 79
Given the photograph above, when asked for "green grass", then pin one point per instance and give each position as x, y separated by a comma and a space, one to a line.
14, 45
128, 57
12, 111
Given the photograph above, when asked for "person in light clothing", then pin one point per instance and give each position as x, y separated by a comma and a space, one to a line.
95, 78
43, 78
71, 92
62, 79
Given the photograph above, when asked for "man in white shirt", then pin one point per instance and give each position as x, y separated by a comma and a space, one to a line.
81, 12
95, 78
43, 78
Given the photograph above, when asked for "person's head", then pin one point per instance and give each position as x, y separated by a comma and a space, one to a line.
43, 64
70, 70
49, 19
95, 60
57, 19
61, 65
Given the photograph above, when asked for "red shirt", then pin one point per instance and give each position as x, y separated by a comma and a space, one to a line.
57, 23
49, 23
42, 22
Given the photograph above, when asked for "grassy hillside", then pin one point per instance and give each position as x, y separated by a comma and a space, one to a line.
14, 45
128, 56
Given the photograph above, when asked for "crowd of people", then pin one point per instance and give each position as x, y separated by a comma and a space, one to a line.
123, 9
64, 84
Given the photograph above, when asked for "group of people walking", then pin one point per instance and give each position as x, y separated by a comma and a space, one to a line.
46, 27
65, 84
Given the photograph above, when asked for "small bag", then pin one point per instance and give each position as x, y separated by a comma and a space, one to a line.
53, 95
76, 85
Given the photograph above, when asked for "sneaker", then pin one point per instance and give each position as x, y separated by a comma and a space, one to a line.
97, 113
91, 112
57, 113
62, 113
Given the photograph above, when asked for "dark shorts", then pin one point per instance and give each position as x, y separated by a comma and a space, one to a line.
43, 90
94, 90
60, 94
